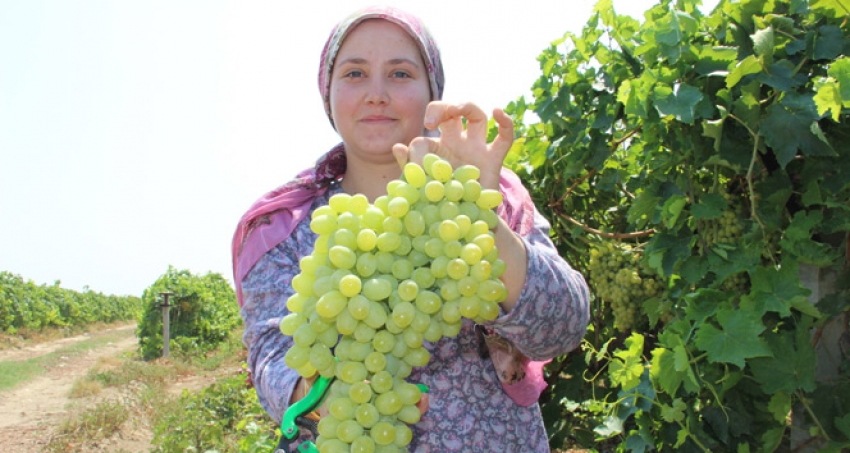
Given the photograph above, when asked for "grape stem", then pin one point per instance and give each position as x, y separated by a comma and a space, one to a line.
632, 235
802, 398
570, 190
750, 187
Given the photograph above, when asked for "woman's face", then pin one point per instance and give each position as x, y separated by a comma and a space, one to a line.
379, 90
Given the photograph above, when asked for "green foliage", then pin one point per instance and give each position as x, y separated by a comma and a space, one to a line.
202, 314
26, 305
714, 147
224, 417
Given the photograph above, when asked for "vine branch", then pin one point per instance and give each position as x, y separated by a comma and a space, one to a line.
633, 235
573, 187
813, 415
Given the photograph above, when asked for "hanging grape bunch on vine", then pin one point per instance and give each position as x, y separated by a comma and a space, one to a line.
618, 279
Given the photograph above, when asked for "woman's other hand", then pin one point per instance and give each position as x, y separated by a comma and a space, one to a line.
459, 145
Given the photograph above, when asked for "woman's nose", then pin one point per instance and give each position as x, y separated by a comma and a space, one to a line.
377, 93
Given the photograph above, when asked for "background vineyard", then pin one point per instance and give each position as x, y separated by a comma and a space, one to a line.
202, 313
25, 304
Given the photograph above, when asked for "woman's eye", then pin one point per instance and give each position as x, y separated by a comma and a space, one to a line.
354, 74
400, 74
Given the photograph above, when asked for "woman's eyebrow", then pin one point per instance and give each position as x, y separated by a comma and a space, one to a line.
403, 61
360, 61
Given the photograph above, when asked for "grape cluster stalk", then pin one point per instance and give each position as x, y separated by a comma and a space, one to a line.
384, 278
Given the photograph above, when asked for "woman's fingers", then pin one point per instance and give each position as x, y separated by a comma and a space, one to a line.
449, 118
420, 146
423, 404
505, 138
402, 154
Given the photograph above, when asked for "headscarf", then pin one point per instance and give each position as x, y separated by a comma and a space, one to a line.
411, 24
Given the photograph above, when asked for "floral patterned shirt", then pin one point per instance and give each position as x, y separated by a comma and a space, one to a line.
468, 411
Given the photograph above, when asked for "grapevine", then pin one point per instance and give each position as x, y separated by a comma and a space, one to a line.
382, 279
716, 139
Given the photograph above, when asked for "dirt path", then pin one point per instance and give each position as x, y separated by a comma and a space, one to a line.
29, 412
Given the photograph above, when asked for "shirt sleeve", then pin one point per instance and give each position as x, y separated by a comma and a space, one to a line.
553, 310
265, 290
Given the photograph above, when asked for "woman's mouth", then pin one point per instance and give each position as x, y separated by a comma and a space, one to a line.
377, 119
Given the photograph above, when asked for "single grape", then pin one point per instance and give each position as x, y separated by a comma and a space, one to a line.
383, 341
349, 430
383, 433
414, 175
366, 415
454, 190
342, 408
358, 204
360, 392
388, 403
291, 322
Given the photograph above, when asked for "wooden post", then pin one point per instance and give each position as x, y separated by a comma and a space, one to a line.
821, 281
165, 324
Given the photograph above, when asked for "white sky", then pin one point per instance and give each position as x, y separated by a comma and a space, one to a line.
134, 134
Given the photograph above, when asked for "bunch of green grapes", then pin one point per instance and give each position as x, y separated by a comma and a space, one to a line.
616, 278
727, 230
382, 279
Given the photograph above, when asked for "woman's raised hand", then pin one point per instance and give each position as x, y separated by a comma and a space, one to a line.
459, 145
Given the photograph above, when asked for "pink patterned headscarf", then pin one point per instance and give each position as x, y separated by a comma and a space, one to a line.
410, 23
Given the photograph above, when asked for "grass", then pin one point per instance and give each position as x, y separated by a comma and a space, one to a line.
143, 389
26, 337
92, 425
13, 372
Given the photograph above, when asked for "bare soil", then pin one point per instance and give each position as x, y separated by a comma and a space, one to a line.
31, 412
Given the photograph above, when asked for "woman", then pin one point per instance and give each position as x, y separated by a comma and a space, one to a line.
381, 80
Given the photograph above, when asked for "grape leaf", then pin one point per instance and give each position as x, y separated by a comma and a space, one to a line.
672, 209
663, 370
763, 44
840, 71
710, 206
798, 239
611, 427
666, 250
786, 128
745, 67
634, 95
679, 101
782, 76
715, 60
627, 371
779, 406
843, 424
774, 289
713, 129
829, 43
771, 438
736, 340
642, 207
828, 98
638, 444
674, 413
835, 9
791, 366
